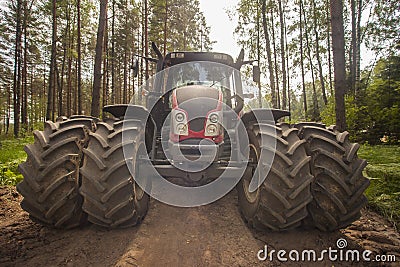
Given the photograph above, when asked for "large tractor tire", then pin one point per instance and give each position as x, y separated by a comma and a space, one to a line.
280, 202
112, 198
339, 185
51, 173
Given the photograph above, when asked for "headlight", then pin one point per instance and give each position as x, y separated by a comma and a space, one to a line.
179, 117
214, 118
212, 129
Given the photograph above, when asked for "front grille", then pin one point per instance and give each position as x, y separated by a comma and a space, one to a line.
197, 101
197, 124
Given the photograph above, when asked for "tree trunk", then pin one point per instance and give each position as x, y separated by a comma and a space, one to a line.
165, 27
141, 75
33, 113
64, 59
95, 109
328, 33
105, 66
75, 92
24, 110
17, 70
146, 43
79, 51
113, 75
259, 56
321, 74
283, 57
275, 61
289, 99
69, 68
44, 106
302, 61
52, 78
268, 49
358, 54
339, 66
353, 56
125, 77
58, 87
316, 114
8, 109
69, 86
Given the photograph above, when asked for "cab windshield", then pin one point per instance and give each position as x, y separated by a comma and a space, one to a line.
199, 73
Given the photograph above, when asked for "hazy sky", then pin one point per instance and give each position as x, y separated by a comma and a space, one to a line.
221, 27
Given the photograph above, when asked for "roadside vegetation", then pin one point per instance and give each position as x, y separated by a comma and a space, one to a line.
384, 172
11, 154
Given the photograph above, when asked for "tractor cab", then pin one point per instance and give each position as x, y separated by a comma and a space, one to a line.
192, 88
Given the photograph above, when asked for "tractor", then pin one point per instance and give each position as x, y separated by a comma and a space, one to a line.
192, 128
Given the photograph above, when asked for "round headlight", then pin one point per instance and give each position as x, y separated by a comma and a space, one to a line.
179, 117
214, 118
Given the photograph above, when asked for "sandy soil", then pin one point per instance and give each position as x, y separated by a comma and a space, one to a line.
212, 235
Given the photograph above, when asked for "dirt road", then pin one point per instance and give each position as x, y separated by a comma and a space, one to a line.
213, 235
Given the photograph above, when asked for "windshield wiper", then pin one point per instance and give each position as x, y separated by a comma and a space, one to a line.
215, 82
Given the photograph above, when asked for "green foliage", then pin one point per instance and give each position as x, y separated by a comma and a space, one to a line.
11, 155
382, 27
384, 172
352, 112
9, 174
373, 113
378, 105
380, 154
186, 25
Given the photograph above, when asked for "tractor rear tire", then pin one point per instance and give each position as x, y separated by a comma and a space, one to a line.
280, 203
111, 196
339, 185
51, 173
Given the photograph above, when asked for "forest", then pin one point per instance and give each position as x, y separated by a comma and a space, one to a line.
328, 62
59, 58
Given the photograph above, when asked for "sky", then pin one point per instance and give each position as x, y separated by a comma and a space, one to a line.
221, 27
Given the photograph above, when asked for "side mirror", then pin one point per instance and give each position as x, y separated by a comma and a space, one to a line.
135, 67
256, 74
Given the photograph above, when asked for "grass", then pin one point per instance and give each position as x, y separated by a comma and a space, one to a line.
12, 154
384, 172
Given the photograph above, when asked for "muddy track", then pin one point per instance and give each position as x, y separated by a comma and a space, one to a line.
213, 235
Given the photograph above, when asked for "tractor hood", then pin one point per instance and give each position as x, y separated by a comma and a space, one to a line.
192, 92
197, 101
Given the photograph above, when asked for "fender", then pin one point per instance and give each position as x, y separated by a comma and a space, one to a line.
119, 111
263, 114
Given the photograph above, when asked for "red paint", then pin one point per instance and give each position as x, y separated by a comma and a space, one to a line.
192, 134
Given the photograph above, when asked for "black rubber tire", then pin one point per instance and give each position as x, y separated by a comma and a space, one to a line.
280, 202
51, 173
111, 197
339, 185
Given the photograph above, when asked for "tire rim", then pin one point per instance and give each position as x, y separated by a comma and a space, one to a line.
253, 158
139, 193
